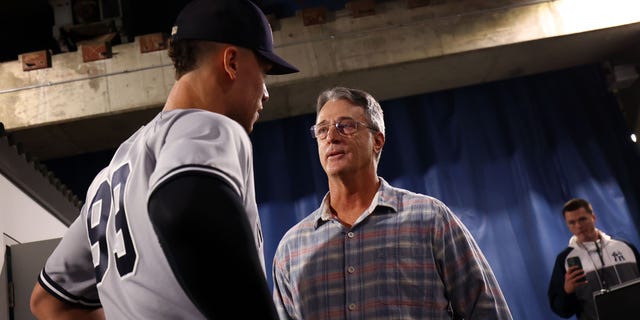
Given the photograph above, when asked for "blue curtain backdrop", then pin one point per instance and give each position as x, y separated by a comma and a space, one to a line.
504, 156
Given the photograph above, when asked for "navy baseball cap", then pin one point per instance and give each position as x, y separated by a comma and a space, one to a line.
237, 22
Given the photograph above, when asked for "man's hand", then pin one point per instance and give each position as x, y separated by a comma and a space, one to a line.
574, 278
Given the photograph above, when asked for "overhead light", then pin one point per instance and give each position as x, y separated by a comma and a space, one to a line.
583, 15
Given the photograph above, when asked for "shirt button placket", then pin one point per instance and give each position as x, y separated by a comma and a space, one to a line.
349, 250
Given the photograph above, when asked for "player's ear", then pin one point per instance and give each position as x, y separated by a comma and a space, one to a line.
230, 61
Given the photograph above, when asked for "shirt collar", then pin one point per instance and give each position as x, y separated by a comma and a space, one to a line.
573, 241
385, 197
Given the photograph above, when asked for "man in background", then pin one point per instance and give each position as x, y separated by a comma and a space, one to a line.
593, 261
170, 229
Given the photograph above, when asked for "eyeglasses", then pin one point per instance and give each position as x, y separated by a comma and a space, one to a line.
345, 127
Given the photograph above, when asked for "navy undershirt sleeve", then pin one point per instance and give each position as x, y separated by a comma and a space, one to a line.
205, 234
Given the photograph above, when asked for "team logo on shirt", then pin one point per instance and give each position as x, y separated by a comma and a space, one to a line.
618, 256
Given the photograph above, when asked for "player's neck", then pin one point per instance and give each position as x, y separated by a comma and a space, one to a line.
191, 91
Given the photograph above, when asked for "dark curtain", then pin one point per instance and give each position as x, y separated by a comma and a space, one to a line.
504, 156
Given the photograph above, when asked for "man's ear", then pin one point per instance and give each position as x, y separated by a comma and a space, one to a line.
230, 61
378, 141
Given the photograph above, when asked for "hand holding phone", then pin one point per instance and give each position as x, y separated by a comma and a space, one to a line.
576, 277
574, 261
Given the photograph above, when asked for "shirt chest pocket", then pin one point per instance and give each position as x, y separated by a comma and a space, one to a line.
403, 272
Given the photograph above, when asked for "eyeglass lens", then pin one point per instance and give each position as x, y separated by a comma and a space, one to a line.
344, 126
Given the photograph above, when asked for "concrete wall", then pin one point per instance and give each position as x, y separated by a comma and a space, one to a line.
22, 219
79, 107
343, 46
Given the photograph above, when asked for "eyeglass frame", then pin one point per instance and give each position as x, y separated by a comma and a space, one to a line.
340, 128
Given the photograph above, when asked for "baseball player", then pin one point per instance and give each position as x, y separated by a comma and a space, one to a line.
170, 229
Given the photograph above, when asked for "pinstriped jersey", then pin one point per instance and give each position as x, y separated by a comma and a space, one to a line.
110, 255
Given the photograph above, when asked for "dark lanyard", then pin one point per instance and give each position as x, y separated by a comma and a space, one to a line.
599, 250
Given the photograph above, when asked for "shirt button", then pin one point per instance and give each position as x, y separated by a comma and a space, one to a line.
351, 269
350, 234
352, 306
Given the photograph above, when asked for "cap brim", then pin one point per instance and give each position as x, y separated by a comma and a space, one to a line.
280, 66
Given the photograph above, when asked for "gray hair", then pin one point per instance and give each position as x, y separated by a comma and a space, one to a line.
372, 109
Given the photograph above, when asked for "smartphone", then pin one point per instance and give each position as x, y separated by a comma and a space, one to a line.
574, 261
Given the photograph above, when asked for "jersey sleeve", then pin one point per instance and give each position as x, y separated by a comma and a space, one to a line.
195, 213
68, 273
205, 141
